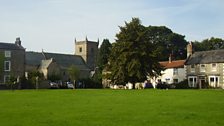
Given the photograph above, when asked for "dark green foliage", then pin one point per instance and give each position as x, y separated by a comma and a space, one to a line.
103, 54
182, 85
209, 44
90, 83
2, 58
167, 42
134, 55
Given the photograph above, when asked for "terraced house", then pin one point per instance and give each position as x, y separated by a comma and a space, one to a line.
205, 68
12, 60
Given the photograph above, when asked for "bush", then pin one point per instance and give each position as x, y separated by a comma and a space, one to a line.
182, 85
162, 86
88, 83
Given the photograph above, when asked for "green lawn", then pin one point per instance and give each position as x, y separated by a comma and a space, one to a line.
112, 108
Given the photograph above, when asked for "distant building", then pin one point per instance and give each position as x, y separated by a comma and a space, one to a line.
55, 64
12, 60
88, 51
205, 68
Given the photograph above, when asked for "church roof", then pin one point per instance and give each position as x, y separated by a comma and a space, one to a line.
63, 60
205, 57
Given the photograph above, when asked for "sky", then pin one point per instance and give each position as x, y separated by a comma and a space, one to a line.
53, 25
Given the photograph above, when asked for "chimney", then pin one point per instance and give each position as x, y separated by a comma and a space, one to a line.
18, 41
189, 49
170, 58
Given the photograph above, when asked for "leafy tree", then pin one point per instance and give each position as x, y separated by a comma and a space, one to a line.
134, 55
209, 44
73, 72
167, 42
103, 54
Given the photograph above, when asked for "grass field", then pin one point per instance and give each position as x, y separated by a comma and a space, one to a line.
112, 108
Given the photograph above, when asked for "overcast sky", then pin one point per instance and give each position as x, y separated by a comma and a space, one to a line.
53, 25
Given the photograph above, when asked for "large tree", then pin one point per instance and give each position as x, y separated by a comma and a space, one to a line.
134, 55
167, 42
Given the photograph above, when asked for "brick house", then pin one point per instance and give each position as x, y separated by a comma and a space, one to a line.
12, 60
205, 68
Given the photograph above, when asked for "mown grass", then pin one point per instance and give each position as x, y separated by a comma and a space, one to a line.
112, 108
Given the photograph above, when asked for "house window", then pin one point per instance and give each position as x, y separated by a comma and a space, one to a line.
175, 81
214, 81
7, 65
175, 71
192, 81
80, 49
7, 53
202, 68
214, 66
6, 78
193, 68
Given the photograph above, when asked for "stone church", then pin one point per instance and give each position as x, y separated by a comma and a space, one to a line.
17, 62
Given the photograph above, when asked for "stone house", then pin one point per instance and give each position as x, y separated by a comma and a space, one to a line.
205, 68
55, 64
12, 60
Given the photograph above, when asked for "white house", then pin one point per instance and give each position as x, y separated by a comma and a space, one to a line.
174, 72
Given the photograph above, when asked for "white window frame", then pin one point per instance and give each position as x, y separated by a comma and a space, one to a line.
214, 68
202, 69
5, 78
216, 81
7, 54
9, 64
194, 82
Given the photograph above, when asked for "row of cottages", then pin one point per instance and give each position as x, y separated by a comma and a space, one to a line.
17, 62
205, 68
202, 69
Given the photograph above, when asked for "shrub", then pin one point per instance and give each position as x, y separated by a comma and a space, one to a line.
182, 85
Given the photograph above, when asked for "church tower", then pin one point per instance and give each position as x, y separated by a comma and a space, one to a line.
88, 50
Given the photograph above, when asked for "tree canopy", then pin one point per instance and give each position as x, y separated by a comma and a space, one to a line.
167, 42
134, 55
209, 44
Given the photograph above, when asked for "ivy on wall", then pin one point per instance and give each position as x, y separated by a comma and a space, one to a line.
2, 59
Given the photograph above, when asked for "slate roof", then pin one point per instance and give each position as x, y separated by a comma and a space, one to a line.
10, 46
173, 64
206, 57
63, 60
